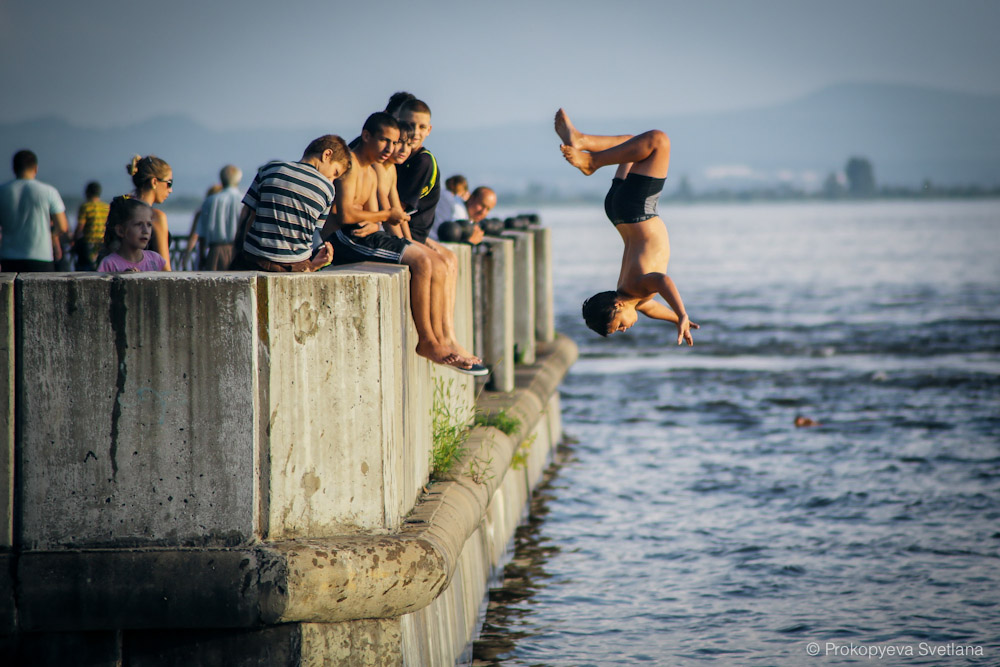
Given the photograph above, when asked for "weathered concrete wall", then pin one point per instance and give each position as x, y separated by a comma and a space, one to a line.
341, 443
6, 411
134, 409
332, 386
248, 456
524, 295
498, 292
545, 318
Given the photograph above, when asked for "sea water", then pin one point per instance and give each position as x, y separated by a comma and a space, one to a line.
692, 523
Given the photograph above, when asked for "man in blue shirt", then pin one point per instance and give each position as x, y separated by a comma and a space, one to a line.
219, 220
29, 209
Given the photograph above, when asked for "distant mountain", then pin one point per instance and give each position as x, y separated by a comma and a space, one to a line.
910, 134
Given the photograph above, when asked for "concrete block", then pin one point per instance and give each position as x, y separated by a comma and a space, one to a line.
478, 260
66, 591
335, 401
440, 633
508, 506
463, 293
364, 643
460, 389
524, 295
545, 319
278, 646
54, 649
8, 613
6, 410
498, 337
139, 389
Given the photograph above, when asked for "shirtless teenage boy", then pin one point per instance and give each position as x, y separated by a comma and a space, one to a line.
353, 231
630, 204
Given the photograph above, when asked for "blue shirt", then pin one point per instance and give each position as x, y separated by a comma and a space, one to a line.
220, 214
26, 210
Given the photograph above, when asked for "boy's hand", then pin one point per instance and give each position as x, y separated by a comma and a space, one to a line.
365, 229
684, 326
322, 258
397, 215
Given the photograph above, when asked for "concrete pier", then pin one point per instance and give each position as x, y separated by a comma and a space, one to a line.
234, 468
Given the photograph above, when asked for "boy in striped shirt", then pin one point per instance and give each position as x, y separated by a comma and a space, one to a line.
285, 204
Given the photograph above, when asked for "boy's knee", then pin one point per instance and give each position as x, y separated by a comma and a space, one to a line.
660, 139
419, 262
450, 260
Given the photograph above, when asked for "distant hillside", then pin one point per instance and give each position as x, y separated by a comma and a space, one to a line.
910, 134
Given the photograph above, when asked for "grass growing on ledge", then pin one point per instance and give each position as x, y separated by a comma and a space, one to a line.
501, 420
450, 430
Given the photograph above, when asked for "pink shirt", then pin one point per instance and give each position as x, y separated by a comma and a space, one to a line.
115, 263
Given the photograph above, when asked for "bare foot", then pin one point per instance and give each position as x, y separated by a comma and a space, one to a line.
579, 159
461, 351
565, 129
441, 354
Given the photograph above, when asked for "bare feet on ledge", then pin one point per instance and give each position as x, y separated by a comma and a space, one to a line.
441, 354
579, 159
465, 353
565, 129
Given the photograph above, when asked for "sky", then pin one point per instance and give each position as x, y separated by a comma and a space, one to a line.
303, 63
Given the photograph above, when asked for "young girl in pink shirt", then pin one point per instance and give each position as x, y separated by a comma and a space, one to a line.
129, 228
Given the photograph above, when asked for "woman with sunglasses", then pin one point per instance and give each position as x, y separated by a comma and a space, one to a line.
154, 181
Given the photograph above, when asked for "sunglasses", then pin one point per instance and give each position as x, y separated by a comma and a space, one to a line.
169, 183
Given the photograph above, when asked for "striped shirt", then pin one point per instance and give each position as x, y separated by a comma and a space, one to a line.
290, 199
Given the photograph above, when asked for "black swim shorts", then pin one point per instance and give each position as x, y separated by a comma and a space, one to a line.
633, 199
378, 247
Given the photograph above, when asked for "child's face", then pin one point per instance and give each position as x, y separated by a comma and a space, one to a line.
381, 145
624, 318
138, 230
403, 150
422, 126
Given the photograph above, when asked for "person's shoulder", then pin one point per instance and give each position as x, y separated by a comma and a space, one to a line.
419, 161
55, 199
111, 263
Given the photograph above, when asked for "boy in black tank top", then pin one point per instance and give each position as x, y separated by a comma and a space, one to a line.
630, 204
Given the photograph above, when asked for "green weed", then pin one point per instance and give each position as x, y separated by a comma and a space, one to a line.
507, 423
450, 430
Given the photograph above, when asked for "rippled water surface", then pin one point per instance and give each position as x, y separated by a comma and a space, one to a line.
692, 523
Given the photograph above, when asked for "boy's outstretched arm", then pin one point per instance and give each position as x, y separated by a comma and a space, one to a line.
657, 311
660, 283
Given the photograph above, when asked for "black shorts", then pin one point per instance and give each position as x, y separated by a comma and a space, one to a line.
378, 247
633, 199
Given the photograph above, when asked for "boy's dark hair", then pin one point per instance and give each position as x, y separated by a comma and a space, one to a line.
414, 105
93, 190
119, 212
396, 100
331, 142
378, 121
599, 310
406, 130
24, 161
